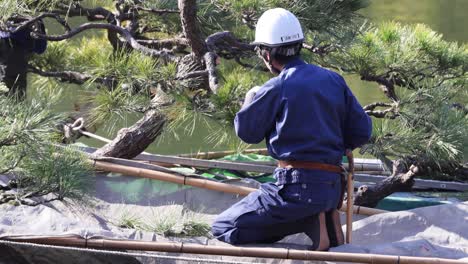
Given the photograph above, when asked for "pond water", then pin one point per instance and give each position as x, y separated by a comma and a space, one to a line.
445, 16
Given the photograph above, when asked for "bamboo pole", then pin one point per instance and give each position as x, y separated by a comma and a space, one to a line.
349, 199
196, 182
163, 176
256, 252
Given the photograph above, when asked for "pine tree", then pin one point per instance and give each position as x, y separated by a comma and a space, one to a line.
175, 61
29, 155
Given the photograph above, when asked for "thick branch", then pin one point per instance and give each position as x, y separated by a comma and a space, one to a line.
31, 21
319, 50
387, 86
133, 140
371, 195
249, 18
259, 67
188, 17
210, 61
92, 14
130, 40
74, 77
226, 45
179, 43
381, 113
226, 39
194, 74
370, 110
376, 104
157, 11
96, 14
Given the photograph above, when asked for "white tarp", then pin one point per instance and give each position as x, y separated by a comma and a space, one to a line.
437, 231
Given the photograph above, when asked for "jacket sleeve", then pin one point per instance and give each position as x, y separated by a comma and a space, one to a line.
255, 120
358, 125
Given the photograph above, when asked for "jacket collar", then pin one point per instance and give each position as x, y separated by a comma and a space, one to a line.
295, 62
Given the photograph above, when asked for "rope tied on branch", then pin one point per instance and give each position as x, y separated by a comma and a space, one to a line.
72, 130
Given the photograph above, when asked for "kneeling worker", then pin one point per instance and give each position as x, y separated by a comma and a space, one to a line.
308, 117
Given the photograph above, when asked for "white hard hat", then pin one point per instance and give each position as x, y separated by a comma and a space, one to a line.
277, 27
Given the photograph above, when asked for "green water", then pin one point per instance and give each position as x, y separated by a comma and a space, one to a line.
445, 16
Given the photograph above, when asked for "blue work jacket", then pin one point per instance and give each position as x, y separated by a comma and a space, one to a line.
306, 113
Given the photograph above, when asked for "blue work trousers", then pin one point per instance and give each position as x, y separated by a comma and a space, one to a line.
279, 209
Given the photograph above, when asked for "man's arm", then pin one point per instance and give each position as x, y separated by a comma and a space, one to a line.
257, 116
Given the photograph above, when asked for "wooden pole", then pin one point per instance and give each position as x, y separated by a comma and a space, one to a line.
256, 252
360, 210
349, 199
196, 182
220, 154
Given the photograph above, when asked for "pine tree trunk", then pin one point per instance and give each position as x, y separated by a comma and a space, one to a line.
133, 140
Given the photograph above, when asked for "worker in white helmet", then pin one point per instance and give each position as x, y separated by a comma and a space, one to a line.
308, 117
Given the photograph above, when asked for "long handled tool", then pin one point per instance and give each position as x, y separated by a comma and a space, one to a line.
349, 199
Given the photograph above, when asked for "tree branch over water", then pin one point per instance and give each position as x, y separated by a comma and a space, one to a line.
164, 54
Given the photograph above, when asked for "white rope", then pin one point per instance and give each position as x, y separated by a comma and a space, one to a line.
69, 128
120, 253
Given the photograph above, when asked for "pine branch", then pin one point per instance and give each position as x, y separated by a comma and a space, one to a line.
381, 113
33, 20
249, 66
226, 39
178, 43
92, 14
192, 75
387, 86
74, 77
156, 11
164, 54
188, 17
322, 50
372, 106
210, 61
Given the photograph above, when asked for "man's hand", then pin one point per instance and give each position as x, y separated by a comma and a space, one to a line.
249, 96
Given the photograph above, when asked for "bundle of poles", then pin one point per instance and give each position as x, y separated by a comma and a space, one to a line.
366, 171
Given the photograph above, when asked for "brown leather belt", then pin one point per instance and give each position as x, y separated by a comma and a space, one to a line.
309, 165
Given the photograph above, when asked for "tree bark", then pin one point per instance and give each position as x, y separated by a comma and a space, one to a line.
133, 140
370, 196
188, 18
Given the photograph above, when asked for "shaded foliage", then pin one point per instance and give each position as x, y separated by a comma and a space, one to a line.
27, 151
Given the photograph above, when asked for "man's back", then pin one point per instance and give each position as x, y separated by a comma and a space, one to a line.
306, 113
